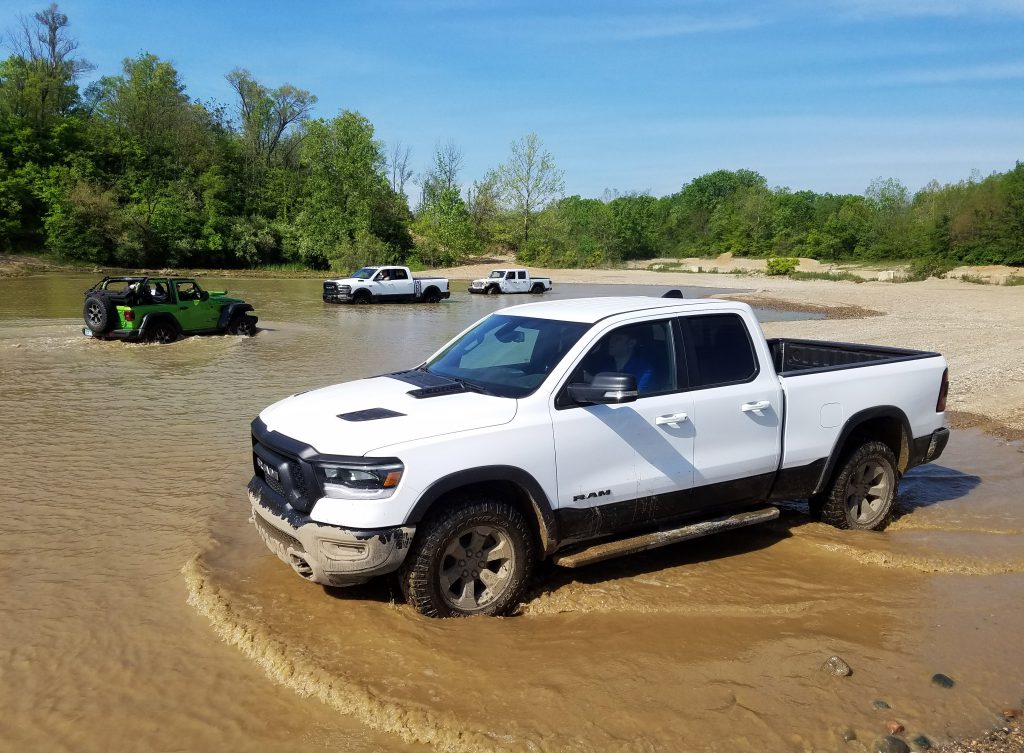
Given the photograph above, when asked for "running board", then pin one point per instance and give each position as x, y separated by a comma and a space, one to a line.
606, 550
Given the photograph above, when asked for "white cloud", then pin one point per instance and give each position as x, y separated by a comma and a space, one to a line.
970, 73
946, 8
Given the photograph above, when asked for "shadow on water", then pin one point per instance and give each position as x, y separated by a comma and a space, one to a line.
929, 485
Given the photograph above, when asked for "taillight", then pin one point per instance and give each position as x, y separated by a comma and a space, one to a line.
940, 404
129, 315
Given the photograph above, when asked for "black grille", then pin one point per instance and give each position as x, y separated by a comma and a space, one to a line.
292, 476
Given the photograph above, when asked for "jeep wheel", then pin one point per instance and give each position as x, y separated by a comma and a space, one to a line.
863, 494
492, 290
100, 313
537, 288
242, 325
163, 331
473, 558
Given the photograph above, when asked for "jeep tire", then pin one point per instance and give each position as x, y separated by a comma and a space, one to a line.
163, 331
472, 558
100, 313
243, 325
863, 493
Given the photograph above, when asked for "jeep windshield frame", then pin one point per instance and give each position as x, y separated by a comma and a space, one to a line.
507, 356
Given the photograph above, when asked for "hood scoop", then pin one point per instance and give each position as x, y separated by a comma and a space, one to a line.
370, 414
429, 385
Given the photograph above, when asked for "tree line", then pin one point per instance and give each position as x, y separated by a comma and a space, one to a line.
129, 170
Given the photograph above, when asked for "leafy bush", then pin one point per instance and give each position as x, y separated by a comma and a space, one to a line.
929, 266
781, 265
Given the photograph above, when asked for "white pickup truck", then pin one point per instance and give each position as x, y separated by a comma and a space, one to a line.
510, 281
385, 284
579, 430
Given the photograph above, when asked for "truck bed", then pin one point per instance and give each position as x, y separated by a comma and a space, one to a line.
796, 357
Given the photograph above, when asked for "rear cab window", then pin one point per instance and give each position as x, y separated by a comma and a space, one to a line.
718, 350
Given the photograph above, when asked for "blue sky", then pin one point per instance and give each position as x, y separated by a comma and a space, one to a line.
629, 96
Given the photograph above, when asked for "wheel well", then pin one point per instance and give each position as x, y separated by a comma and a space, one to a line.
886, 429
509, 492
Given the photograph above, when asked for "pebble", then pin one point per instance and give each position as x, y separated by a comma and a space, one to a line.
943, 681
849, 735
881, 705
890, 744
922, 742
836, 666
894, 727
1011, 713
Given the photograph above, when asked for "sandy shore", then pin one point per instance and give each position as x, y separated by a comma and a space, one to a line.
978, 328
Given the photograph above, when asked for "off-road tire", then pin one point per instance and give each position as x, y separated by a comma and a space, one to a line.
163, 331
862, 494
431, 578
492, 290
100, 313
362, 297
242, 325
537, 288
432, 295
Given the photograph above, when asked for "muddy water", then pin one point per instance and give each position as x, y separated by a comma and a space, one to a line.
140, 612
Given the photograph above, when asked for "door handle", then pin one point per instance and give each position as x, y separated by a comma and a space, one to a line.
757, 407
671, 418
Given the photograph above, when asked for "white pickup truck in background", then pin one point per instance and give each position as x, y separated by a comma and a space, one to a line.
385, 284
510, 281
579, 430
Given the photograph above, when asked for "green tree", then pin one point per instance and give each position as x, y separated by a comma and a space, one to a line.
528, 181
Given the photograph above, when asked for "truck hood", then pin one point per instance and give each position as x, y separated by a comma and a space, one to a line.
346, 280
313, 417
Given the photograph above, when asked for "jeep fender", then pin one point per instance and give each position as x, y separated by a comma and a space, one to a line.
531, 496
152, 318
228, 312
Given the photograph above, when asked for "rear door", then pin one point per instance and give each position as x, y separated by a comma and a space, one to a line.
736, 414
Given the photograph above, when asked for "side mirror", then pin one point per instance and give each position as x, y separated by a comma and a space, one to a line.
204, 296
608, 388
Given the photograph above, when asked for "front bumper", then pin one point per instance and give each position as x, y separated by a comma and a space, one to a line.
325, 554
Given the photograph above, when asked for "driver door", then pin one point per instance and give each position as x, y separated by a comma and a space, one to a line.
194, 313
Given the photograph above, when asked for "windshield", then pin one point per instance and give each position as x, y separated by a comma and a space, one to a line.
497, 273
508, 355
365, 273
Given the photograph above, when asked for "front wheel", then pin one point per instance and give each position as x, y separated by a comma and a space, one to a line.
492, 290
242, 325
863, 494
474, 558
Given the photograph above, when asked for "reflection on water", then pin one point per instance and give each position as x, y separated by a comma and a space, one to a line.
125, 463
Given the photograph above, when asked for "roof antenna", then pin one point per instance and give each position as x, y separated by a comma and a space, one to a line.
674, 293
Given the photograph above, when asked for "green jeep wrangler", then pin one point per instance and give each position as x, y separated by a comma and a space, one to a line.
159, 309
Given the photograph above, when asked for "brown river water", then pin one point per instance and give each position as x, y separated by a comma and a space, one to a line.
140, 612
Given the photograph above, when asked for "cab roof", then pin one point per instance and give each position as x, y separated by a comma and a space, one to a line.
591, 310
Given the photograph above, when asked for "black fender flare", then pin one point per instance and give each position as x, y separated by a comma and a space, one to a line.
228, 313
547, 526
156, 316
853, 423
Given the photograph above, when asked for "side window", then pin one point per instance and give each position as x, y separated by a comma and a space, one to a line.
718, 350
156, 291
399, 274
187, 290
510, 276
522, 275
644, 350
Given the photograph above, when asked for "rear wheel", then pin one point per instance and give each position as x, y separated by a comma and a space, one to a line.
163, 331
537, 288
473, 558
243, 325
100, 313
863, 494
432, 295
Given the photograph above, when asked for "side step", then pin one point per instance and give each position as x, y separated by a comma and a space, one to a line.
606, 550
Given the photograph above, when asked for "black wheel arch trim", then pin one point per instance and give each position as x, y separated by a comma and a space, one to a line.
228, 312
155, 317
547, 524
853, 423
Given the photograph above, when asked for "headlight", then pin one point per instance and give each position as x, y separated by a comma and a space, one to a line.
359, 482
